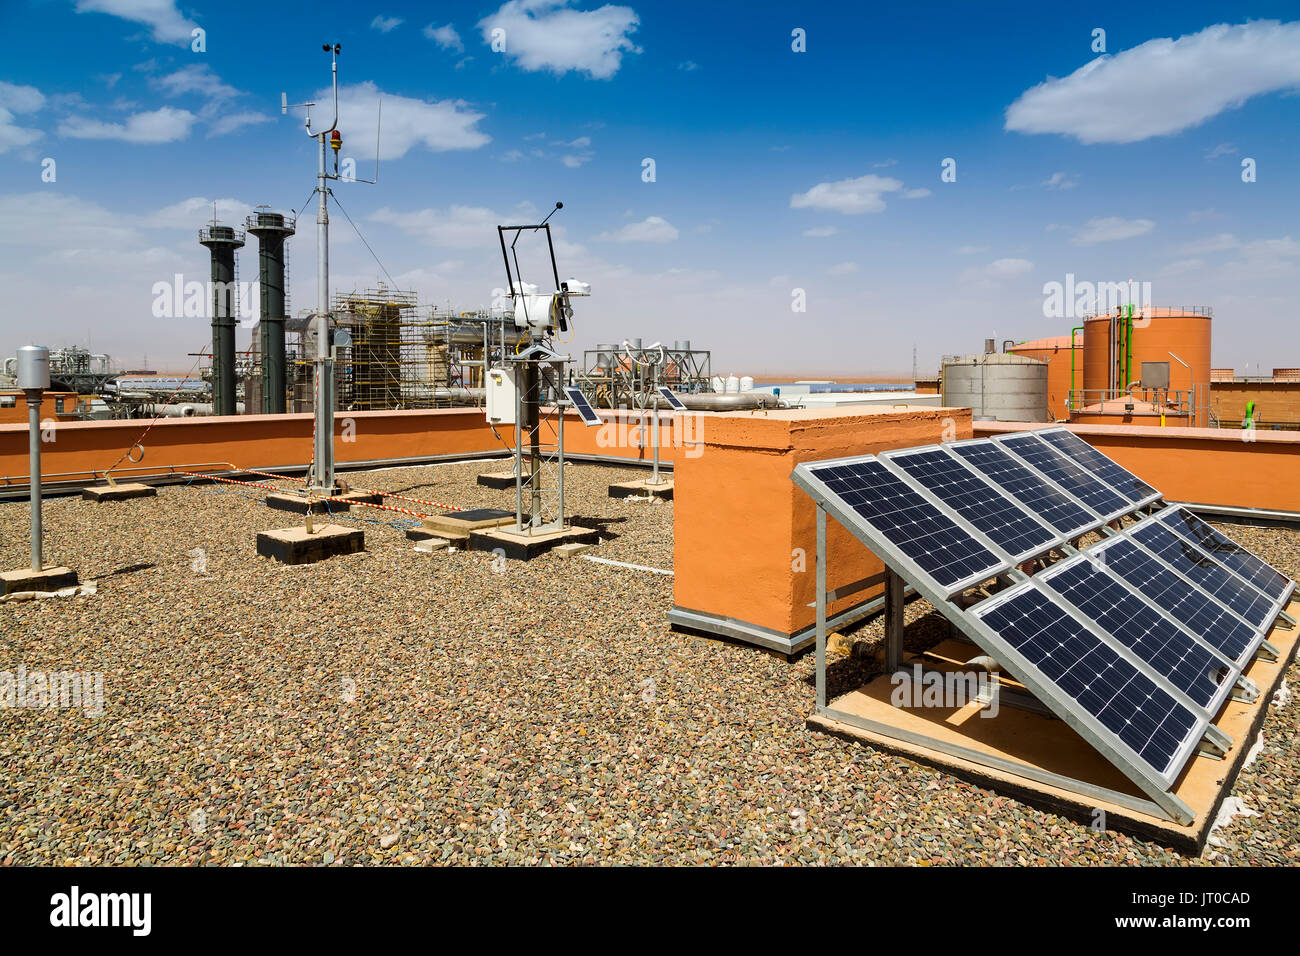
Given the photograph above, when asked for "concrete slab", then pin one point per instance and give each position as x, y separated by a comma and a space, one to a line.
119, 492
1049, 744
463, 522
47, 579
455, 539
639, 489
297, 504
295, 546
431, 544
571, 550
522, 547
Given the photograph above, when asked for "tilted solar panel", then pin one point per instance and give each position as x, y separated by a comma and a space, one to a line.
937, 545
1067, 473
1146, 720
1002, 520
1187, 664
1253, 606
1109, 471
673, 401
1027, 486
582, 406
1228, 552
1183, 601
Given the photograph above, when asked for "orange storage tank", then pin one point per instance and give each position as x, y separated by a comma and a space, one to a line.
1160, 334
1056, 351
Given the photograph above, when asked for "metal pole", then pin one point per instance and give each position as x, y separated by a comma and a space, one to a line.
559, 412
821, 608
34, 467
893, 621
323, 450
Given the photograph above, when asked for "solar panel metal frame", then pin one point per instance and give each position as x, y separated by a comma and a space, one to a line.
1041, 434
673, 401
1086, 724
805, 474
1166, 515
1100, 547
1129, 507
1055, 538
582, 406
1277, 607
1096, 520
1232, 667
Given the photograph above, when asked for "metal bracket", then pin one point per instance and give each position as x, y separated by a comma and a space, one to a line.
1245, 691
1267, 651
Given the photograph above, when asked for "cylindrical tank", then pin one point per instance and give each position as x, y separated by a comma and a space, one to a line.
1056, 352
605, 355
733, 385
998, 387
746, 383
222, 241
1178, 336
33, 370
271, 230
719, 383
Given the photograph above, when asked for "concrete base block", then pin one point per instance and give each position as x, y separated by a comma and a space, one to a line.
295, 546
431, 544
571, 550
297, 504
121, 492
463, 522
639, 489
453, 539
524, 546
47, 579
500, 480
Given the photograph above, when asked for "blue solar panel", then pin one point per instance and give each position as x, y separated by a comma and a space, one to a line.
581, 405
1150, 635
1006, 525
1206, 573
1188, 605
938, 546
1026, 486
1227, 552
673, 401
1112, 473
1126, 702
1066, 473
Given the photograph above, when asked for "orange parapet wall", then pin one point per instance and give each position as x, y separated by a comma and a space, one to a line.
744, 537
1212, 466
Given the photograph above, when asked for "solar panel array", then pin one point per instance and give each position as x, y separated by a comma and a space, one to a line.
1138, 637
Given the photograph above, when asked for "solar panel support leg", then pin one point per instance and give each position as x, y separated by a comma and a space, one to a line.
1216, 740
893, 621
1245, 691
1267, 651
821, 608
1285, 620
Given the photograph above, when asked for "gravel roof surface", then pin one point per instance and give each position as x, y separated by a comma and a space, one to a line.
400, 707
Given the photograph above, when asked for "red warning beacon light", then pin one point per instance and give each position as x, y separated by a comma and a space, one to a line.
336, 141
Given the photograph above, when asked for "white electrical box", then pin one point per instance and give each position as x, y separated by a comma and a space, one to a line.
501, 396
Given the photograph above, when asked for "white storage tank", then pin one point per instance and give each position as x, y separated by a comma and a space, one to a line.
1001, 387
733, 385
747, 383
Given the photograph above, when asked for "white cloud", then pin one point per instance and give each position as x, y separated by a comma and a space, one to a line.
915, 193
842, 269
386, 24
1181, 267
820, 232
650, 229
1061, 181
549, 35
1224, 240
197, 78
458, 227
446, 37
161, 16
689, 66
1111, 228
575, 160
1223, 149
195, 211
848, 196
996, 270
439, 125
165, 125
236, 121
18, 99
1163, 86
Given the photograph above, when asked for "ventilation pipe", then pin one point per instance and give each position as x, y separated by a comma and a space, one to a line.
271, 230
222, 241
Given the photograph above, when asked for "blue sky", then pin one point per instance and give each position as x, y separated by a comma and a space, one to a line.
775, 170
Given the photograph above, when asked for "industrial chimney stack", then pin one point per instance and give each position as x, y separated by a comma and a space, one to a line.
271, 229
222, 241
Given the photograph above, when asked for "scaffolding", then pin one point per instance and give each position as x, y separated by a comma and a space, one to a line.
618, 376
393, 353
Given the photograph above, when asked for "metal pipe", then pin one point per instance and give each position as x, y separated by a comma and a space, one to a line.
1069, 404
34, 467
323, 439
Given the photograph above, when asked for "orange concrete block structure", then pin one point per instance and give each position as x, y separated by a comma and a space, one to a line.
744, 536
